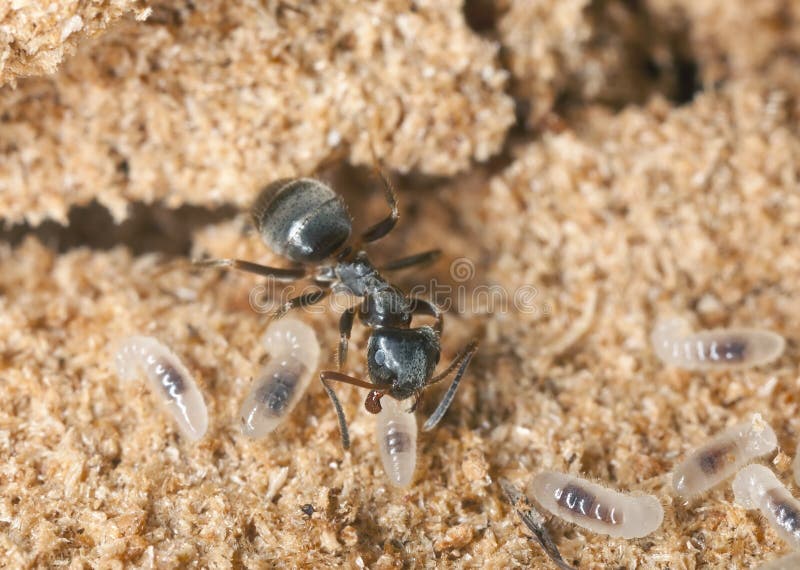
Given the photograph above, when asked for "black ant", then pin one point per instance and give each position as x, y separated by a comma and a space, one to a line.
305, 221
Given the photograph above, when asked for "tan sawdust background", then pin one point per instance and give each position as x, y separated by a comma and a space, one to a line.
615, 201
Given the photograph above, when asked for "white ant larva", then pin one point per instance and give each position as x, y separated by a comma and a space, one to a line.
169, 377
396, 430
294, 355
788, 562
597, 508
675, 344
722, 456
756, 487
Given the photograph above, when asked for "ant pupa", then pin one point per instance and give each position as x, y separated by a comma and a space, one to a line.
597, 508
757, 487
675, 344
294, 355
396, 431
722, 456
535, 522
787, 562
169, 377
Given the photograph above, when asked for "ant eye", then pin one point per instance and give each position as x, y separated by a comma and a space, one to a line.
380, 357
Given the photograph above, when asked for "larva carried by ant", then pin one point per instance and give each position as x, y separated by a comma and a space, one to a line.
722, 456
169, 378
294, 352
597, 508
675, 344
396, 432
757, 487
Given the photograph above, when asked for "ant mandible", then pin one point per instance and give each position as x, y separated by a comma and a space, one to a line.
307, 222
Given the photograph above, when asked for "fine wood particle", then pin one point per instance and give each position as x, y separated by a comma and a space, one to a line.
632, 209
35, 37
203, 104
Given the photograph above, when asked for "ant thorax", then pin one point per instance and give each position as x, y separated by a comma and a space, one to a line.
356, 276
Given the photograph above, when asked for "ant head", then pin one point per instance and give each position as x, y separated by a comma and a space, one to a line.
401, 361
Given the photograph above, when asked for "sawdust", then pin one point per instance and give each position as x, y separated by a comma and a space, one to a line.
204, 106
634, 196
736, 39
566, 52
655, 209
35, 37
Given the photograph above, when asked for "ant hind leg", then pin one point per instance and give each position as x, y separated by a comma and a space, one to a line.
387, 224
418, 259
277, 273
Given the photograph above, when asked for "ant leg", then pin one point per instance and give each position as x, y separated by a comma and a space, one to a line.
423, 258
423, 307
417, 400
387, 224
304, 300
461, 361
327, 375
345, 327
277, 273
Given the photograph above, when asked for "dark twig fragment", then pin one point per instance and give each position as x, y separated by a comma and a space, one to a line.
535, 522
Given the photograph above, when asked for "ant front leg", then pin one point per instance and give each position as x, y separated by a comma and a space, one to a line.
345, 328
326, 376
277, 273
461, 361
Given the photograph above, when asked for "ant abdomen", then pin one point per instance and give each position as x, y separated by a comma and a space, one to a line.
302, 219
294, 354
396, 430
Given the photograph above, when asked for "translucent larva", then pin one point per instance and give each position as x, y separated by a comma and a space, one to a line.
675, 344
396, 430
756, 487
788, 562
169, 378
294, 355
597, 508
722, 456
